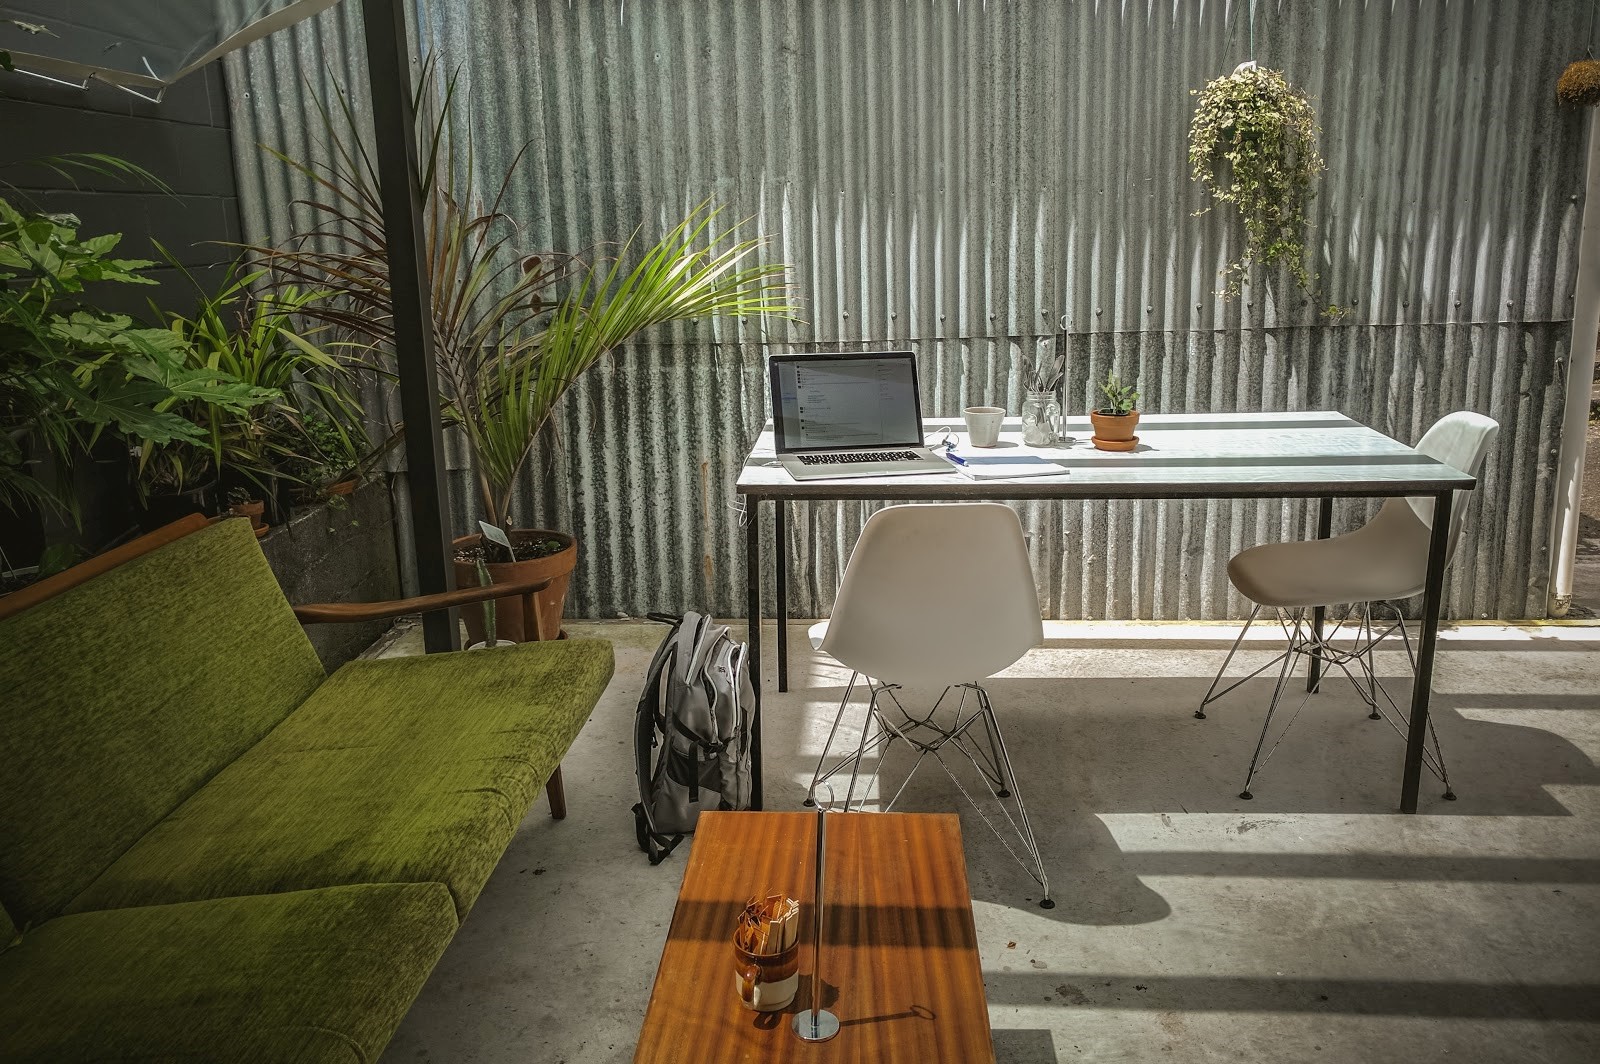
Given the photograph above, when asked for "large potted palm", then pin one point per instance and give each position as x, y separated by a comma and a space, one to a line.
509, 391
513, 331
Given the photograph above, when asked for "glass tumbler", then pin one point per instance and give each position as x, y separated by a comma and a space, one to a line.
1041, 419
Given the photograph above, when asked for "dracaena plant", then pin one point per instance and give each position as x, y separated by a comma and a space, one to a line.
512, 330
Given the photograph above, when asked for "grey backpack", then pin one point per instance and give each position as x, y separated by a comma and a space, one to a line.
691, 739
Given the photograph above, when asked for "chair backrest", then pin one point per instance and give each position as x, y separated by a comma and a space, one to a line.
1461, 441
123, 695
936, 594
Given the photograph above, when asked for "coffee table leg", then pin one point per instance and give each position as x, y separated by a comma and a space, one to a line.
752, 566
1318, 613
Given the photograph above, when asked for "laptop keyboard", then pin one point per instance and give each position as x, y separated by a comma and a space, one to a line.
859, 456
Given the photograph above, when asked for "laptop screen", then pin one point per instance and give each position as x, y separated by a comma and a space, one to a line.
832, 402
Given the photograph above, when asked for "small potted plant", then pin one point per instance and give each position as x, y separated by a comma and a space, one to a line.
1115, 421
240, 504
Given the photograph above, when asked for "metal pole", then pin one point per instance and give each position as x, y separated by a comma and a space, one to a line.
393, 124
1580, 382
817, 1024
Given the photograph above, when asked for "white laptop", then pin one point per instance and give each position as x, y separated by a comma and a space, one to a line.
850, 415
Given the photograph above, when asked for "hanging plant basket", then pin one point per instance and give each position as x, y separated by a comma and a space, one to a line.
1579, 84
1253, 144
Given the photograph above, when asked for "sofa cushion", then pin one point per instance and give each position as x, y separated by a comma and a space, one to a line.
125, 694
309, 977
396, 771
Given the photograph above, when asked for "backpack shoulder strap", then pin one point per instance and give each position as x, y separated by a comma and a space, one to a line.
648, 720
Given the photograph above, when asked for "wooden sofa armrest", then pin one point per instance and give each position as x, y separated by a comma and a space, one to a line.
341, 612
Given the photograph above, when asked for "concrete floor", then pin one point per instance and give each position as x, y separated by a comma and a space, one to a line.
1313, 923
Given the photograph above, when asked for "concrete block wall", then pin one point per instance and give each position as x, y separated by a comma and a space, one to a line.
339, 553
185, 140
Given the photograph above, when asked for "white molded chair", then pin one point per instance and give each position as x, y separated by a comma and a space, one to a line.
1384, 561
944, 595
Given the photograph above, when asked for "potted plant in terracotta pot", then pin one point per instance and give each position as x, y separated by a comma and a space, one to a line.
1116, 418
513, 331
241, 504
503, 397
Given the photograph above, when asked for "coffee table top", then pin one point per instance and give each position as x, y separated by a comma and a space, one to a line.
899, 955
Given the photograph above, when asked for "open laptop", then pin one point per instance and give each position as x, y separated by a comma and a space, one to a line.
850, 415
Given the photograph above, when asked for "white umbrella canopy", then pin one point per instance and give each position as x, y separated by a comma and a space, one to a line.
138, 45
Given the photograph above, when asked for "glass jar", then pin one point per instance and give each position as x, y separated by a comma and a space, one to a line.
1041, 419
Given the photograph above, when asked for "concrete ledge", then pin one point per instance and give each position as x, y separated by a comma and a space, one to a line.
339, 553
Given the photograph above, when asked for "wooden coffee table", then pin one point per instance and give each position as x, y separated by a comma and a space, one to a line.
899, 953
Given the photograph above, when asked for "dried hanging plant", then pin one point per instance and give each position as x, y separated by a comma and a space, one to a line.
1580, 83
1266, 131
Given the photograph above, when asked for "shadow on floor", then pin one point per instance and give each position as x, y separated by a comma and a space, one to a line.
1132, 745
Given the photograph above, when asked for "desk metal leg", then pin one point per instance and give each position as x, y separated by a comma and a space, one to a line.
1422, 683
1318, 613
752, 567
780, 537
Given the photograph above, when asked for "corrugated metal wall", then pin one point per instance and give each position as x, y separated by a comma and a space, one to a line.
963, 179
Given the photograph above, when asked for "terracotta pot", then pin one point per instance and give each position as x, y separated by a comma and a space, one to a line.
557, 568
253, 510
1114, 428
343, 487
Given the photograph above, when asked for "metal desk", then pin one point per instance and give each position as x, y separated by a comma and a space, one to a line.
1301, 454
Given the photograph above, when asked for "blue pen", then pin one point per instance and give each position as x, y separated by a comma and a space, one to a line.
956, 458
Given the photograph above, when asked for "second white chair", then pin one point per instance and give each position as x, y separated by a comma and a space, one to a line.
940, 595
1375, 566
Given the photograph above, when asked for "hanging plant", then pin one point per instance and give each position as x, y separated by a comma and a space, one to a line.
1266, 131
1580, 84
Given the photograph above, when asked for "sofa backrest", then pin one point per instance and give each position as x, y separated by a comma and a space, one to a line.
119, 698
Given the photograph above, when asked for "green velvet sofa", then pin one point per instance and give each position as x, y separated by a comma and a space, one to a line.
210, 850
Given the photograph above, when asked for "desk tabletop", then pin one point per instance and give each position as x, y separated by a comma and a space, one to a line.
1273, 454
899, 956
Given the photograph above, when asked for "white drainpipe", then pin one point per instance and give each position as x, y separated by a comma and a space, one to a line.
1580, 384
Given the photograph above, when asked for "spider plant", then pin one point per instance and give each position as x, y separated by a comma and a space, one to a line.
512, 331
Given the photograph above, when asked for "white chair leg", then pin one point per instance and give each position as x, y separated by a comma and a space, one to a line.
1272, 707
1212, 694
1016, 794
851, 760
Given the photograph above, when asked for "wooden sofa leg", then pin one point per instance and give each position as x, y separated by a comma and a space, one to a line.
557, 795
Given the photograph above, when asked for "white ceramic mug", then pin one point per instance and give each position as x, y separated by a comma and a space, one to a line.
983, 424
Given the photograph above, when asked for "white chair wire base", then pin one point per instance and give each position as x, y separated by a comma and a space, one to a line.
1303, 641
930, 738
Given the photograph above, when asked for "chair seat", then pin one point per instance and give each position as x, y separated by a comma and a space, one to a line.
1385, 559
403, 770
312, 977
818, 632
